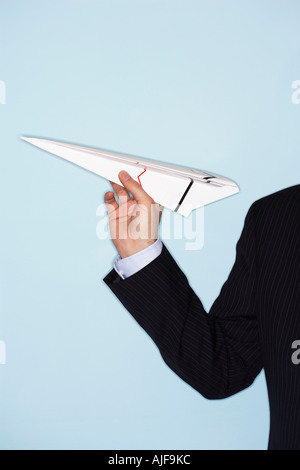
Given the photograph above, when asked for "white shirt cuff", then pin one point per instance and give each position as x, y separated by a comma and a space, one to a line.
128, 266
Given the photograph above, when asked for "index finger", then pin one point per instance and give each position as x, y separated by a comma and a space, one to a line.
120, 191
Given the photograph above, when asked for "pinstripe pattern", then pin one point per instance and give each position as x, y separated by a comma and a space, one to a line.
251, 325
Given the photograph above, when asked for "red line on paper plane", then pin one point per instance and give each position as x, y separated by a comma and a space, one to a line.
141, 175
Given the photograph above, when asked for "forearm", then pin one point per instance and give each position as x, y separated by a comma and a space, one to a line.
191, 342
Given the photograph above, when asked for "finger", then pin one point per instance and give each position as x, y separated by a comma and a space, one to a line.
161, 208
120, 191
134, 188
110, 202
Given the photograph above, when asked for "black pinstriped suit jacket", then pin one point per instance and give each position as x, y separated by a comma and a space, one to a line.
251, 325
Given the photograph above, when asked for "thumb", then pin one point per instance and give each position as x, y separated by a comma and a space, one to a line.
134, 188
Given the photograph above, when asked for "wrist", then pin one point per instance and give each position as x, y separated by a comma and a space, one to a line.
125, 252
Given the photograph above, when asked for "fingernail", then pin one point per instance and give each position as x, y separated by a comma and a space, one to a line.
125, 175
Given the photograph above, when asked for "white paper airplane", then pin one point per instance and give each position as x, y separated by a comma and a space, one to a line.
176, 187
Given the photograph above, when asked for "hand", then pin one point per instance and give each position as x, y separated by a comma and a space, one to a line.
134, 221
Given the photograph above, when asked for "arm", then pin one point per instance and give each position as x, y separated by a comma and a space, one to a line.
217, 354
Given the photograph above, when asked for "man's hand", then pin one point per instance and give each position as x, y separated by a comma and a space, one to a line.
134, 221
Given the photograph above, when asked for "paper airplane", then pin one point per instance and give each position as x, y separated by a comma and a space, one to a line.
176, 187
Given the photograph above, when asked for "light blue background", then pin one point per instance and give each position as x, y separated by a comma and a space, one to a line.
201, 83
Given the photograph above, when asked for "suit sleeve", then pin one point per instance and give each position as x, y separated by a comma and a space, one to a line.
218, 353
